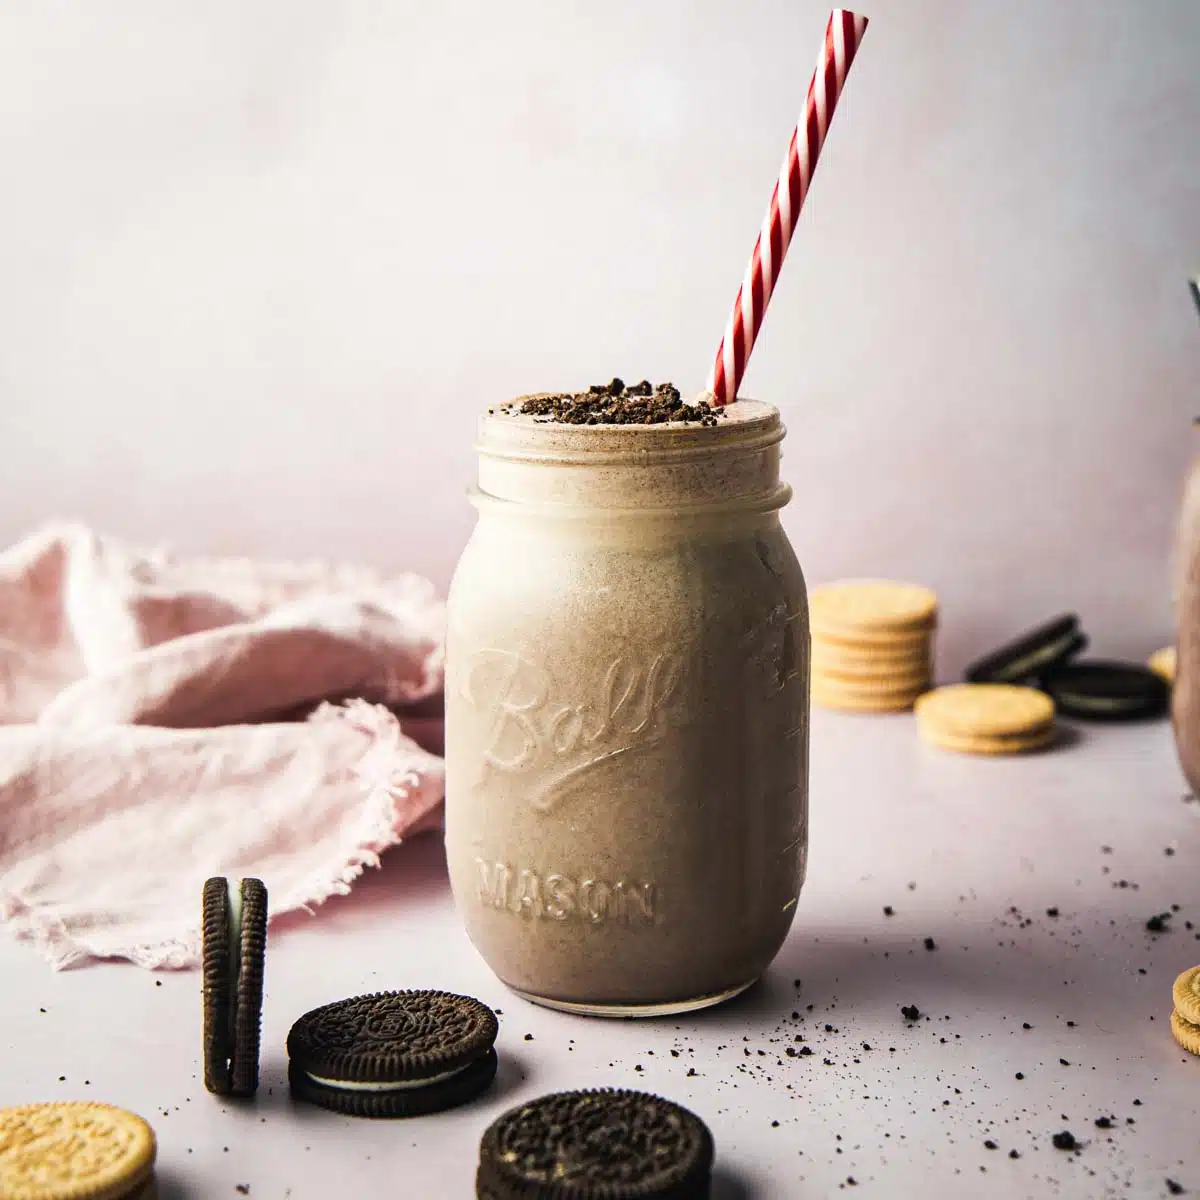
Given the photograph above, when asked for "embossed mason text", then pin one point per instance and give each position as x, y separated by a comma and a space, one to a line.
557, 897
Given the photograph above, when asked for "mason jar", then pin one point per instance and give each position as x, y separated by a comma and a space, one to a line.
1185, 694
627, 715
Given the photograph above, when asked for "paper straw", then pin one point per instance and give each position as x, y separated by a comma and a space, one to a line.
842, 37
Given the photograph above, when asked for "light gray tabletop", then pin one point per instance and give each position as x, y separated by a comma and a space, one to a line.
1034, 1023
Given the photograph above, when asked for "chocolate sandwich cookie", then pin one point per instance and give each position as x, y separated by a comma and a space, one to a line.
1033, 653
595, 1145
1107, 691
393, 1054
235, 943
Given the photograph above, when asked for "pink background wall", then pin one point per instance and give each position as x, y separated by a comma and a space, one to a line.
260, 265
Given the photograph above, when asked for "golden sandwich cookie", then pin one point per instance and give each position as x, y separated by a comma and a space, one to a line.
913, 678
864, 697
1021, 743
75, 1150
878, 643
1185, 1033
872, 611
986, 710
1163, 662
855, 661
1186, 994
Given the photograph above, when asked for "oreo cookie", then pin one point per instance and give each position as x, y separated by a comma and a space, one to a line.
393, 1054
234, 928
1032, 654
602, 1144
1107, 691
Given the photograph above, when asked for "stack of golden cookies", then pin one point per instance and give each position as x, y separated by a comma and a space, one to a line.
1185, 1018
872, 644
986, 718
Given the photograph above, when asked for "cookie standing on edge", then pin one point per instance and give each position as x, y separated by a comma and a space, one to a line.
76, 1150
393, 1054
235, 942
1032, 653
607, 1144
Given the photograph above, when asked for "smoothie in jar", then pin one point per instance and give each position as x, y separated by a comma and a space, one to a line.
627, 702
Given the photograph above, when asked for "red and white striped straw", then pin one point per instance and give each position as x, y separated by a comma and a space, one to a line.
842, 37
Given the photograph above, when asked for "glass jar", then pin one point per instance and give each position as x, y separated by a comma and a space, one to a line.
627, 673
1185, 694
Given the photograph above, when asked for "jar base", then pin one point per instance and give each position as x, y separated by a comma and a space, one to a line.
670, 1009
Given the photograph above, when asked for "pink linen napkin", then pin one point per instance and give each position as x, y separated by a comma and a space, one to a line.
152, 734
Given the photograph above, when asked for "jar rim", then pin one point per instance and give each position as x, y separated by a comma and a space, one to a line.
748, 426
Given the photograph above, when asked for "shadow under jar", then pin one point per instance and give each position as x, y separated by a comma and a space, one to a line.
627, 672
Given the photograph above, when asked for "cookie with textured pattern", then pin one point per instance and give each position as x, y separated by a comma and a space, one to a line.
75, 1150
1185, 1033
234, 929
985, 710
393, 1054
867, 696
840, 660
1186, 994
872, 607
596, 1145
1017, 743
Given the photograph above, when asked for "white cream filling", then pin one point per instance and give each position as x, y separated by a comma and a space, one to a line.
1029, 665
1101, 703
404, 1085
234, 896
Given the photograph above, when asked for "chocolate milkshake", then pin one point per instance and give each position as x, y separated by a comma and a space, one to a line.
627, 702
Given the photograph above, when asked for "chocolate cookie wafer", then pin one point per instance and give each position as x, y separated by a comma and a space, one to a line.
393, 1054
1097, 690
234, 952
606, 1144
1033, 653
